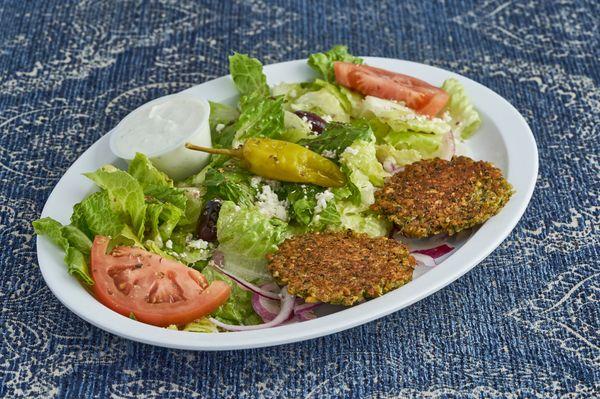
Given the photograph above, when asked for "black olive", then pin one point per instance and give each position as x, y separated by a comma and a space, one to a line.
207, 223
317, 124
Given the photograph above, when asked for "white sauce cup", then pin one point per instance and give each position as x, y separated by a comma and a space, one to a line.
169, 154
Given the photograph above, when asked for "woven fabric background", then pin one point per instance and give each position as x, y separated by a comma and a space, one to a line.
524, 323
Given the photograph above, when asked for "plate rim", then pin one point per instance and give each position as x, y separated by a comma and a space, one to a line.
343, 320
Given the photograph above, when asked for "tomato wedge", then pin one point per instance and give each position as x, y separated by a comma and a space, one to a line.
154, 289
370, 81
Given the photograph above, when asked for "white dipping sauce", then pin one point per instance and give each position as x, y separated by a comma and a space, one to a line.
158, 126
160, 129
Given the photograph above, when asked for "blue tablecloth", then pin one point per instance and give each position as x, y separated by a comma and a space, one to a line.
525, 323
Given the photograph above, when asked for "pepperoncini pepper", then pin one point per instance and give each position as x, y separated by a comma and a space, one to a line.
282, 160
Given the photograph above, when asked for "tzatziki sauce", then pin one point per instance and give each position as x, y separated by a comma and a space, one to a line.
160, 129
158, 126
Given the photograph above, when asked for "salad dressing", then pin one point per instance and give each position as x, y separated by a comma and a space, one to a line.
158, 126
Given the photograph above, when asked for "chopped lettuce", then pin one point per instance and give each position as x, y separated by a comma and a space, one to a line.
74, 243
230, 183
349, 100
295, 128
247, 74
391, 157
301, 198
125, 193
238, 308
363, 222
361, 156
95, 216
322, 63
305, 209
321, 102
222, 124
245, 236
400, 118
337, 137
464, 117
192, 252
146, 174
428, 145
260, 117
289, 91
203, 325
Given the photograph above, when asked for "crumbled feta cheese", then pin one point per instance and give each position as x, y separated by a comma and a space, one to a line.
255, 181
322, 199
169, 244
269, 204
197, 244
327, 118
219, 127
274, 184
293, 93
446, 117
328, 153
308, 122
351, 150
316, 218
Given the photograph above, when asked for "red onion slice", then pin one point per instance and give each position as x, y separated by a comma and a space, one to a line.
266, 308
287, 306
447, 147
247, 285
436, 252
423, 260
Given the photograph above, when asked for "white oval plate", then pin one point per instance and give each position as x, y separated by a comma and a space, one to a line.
504, 139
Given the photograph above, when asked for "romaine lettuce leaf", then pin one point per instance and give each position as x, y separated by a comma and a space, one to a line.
363, 222
301, 198
238, 308
350, 101
400, 118
465, 119
290, 91
203, 325
222, 124
260, 117
295, 128
146, 173
337, 137
393, 157
321, 102
71, 242
245, 236
322, 63
361, 157
95, 216
126, 195
230, 183
247, 74
77, 239
155, 183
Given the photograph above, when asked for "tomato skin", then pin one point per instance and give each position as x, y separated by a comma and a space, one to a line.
155, 290
417, 94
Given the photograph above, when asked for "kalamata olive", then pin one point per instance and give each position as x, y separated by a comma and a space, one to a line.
207, 223
317, 124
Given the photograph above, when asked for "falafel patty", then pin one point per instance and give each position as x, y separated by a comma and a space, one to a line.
340, 268
436, 196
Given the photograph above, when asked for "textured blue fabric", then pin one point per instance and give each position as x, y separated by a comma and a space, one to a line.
525, 323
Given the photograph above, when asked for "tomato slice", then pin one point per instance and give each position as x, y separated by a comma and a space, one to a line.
154, 289
370, 81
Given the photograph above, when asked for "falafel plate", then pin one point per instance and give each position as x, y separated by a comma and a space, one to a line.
321, 194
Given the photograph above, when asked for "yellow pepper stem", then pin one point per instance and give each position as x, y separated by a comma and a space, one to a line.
219, 151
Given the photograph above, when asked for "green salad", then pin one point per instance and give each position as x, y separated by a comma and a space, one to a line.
366, 137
